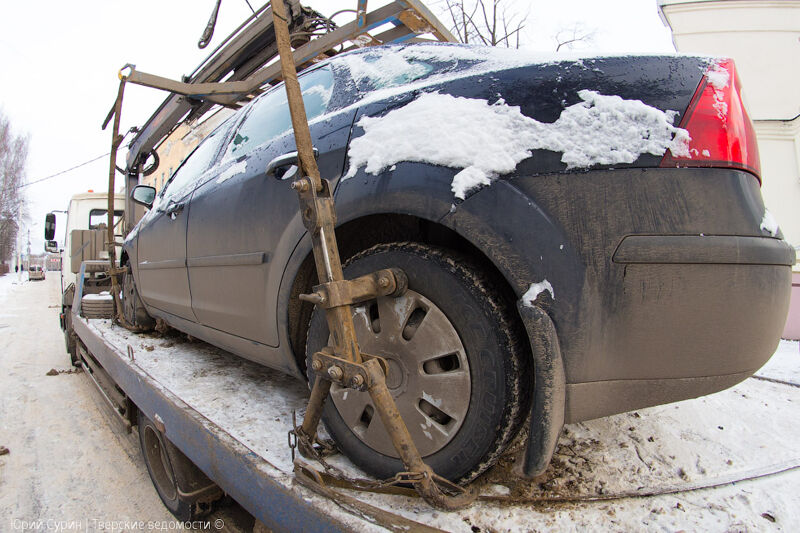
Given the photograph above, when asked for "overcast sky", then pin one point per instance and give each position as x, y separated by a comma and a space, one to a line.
59, 63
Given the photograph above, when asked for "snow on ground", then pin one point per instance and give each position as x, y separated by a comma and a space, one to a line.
749, 429
8, 281
65, 463
784, 365
440, 129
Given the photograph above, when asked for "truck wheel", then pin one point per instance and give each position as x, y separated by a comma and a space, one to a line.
70, 338
457, 370
186, 492
132, 307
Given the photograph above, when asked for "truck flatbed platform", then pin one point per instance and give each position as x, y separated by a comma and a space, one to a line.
231, 417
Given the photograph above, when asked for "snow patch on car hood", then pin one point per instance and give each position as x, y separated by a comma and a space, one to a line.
488, 140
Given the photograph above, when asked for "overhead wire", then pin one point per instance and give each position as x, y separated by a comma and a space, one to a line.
51, 176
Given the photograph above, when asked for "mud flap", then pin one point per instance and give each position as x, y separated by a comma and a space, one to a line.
549, 392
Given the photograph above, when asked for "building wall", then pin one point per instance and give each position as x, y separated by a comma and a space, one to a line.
763, 38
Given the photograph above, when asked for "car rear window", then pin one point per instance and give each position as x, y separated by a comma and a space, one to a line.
269, 116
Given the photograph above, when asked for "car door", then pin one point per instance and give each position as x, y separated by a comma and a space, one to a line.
163, 279
240, 216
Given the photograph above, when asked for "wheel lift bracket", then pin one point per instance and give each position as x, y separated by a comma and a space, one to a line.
343, 363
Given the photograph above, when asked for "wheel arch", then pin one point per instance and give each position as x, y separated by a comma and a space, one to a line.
503, 230
510, 237
364, 232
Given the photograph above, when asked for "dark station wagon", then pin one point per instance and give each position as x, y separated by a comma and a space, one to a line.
581, 237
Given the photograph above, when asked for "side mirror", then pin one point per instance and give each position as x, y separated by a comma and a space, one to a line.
144, 195
49, 226
51, 246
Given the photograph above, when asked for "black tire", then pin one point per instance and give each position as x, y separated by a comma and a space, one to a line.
71, 339
498, 367
132, 307
173, 473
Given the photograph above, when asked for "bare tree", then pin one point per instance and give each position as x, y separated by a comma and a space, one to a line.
488, 22
577, 33
13, 158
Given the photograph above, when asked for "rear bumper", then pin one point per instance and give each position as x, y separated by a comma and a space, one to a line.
674, 290
695, 315
703, 250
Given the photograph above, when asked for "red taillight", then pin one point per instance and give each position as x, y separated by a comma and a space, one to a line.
722, 134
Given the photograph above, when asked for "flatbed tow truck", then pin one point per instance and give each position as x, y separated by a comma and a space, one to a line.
199, 447
226, 420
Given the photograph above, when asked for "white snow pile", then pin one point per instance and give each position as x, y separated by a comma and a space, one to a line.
232, 171
104, 295
488, 140
719, 78
533, 292
769, 223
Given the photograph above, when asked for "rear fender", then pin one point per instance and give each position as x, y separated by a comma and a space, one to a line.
525, 245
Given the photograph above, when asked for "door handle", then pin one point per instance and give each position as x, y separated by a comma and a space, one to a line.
282, 161
174, 209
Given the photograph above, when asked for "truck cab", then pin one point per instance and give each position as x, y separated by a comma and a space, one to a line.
84, 240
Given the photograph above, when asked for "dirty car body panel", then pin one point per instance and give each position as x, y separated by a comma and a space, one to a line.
665, 285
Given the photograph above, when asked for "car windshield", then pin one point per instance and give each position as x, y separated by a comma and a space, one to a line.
100, 216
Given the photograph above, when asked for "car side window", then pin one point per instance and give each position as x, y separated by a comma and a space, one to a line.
269, 116
194, 165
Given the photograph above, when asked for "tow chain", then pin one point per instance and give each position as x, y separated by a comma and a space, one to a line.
319, 450
335, 477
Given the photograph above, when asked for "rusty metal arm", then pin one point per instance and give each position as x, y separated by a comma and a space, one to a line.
190, 89
430, 22
343, 363
413, 18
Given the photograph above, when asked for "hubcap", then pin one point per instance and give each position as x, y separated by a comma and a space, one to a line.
428, 375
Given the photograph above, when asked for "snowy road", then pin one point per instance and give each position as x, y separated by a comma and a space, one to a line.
68, 468
66, 463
